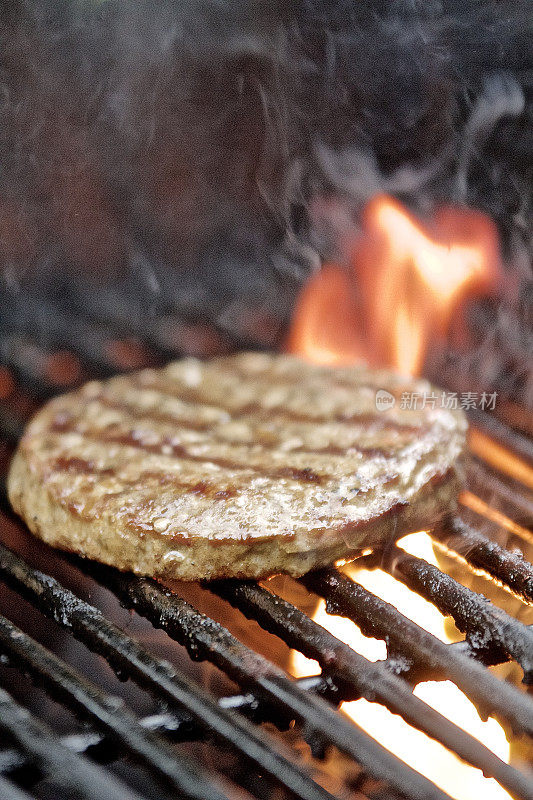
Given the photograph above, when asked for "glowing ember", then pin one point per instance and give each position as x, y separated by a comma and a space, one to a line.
455, 777
406, 285
7, 383
62, 368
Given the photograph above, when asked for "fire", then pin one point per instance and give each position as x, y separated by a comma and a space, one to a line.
324, 320
455, 777
500, 457
404, 285
478, 505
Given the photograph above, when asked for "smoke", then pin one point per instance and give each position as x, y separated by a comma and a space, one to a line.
200, 156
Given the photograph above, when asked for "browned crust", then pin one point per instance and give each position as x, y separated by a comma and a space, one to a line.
254, 465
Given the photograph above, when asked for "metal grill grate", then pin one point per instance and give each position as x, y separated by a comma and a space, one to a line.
33, 756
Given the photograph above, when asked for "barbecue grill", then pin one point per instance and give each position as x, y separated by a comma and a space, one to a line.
198, 743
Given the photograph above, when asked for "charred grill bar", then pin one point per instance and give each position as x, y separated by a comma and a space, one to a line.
507, 494
48, 755
492, 637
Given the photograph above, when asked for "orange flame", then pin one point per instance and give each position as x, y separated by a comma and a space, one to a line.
500, 457
405, 284
404, 287
324, 320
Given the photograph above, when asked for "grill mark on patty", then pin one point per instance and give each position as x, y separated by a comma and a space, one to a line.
273, 442
76, 466
167, 448
65, 423
259, 411
81, 466
270, 377
133, 516
151, 415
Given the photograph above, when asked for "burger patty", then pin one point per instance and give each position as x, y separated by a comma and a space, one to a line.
237, 467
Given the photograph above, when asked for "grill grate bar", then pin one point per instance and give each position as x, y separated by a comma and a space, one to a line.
474, 615
370, 680
164, 681
493, 486
377, 618
72, 689
176, 728
502, 434
98, 746
205, 638
481, 553
183, 728
66, 769
489, 655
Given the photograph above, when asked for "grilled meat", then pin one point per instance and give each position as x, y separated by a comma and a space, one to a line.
239, 467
